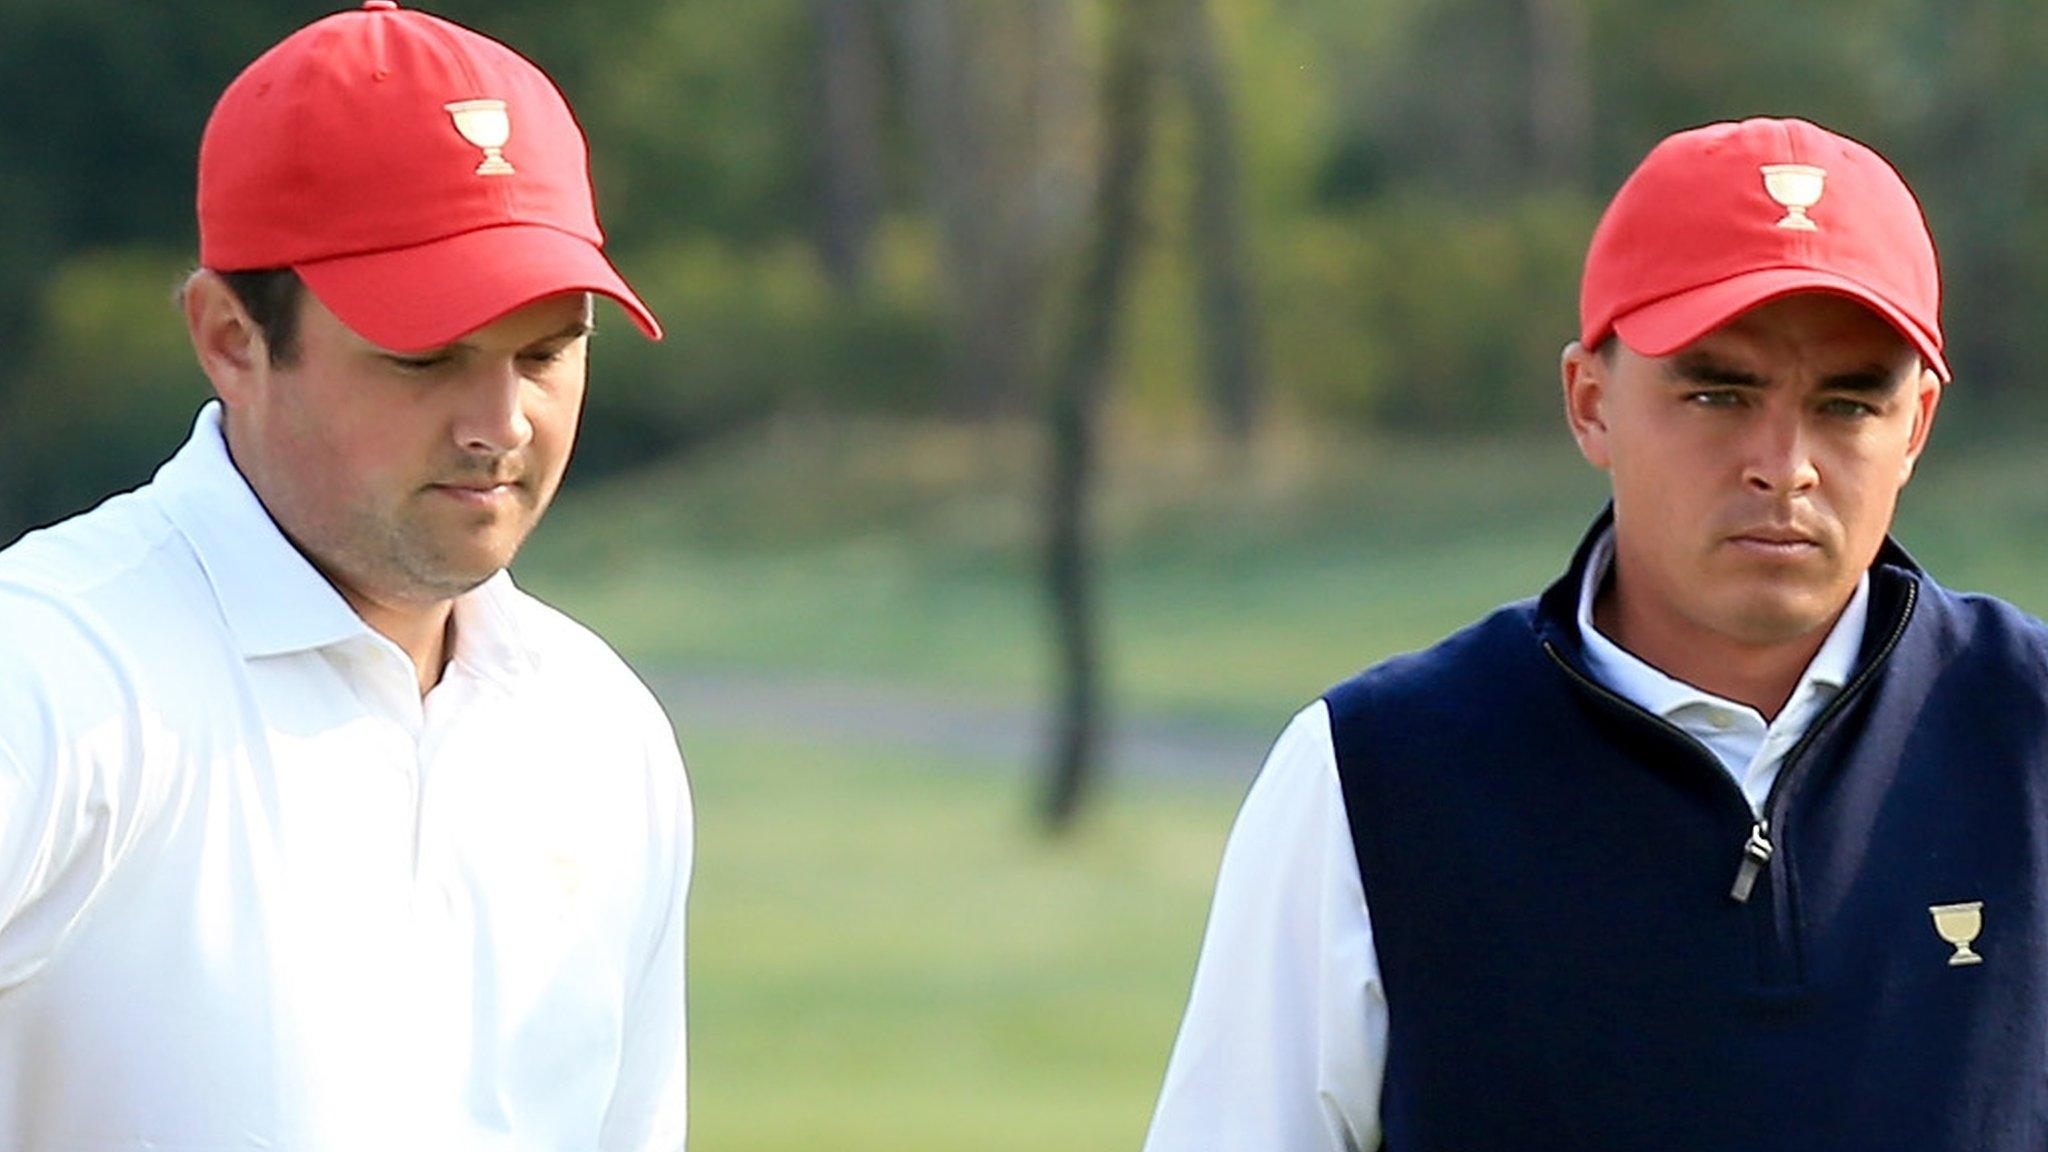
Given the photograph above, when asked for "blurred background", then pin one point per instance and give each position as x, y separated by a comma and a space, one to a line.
1058, 394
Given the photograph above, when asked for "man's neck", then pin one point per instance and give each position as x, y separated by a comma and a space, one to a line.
1761, 676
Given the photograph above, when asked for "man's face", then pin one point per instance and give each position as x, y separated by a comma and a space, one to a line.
410, 478
1756, 470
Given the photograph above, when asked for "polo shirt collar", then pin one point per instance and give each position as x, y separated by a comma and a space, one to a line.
273, 600
488, 639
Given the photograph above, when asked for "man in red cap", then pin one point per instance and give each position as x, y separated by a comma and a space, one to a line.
1737, 836
315, 831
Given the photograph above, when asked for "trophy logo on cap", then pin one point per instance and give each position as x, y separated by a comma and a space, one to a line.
486, 124
1796, 187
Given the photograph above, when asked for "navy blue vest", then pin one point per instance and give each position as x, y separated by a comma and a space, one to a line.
1551, 869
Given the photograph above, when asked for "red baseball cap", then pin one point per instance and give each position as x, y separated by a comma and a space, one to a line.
1720, 219
424, 180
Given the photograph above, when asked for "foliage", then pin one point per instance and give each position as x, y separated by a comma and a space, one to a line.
699, 114
110, 391
1414, 244
753, 330
1430, 313
1470, 304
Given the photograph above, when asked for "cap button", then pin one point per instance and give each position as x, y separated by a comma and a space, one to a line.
379, 5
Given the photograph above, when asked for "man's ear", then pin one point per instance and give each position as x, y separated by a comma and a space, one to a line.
1584, 373
1926, 398
230, 347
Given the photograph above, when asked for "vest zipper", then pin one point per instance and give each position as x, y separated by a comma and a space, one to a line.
1756, 854
1758, 849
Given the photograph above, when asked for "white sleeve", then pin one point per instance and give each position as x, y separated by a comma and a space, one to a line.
1284, 1044
20, 842
59, 841
70, 803
649, 1109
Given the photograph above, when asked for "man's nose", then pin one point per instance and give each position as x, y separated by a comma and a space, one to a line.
492, 418
1780, 457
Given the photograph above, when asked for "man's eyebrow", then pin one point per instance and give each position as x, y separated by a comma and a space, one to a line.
1872, 380
1699, 368
570, 331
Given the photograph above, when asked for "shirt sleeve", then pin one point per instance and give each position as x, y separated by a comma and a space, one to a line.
19, 844
71, 800
1284, 1043
51, 861
649, 1109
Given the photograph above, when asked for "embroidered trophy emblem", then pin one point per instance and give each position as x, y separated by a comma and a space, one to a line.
1959, 924
486, 124
1796, 187
568, 874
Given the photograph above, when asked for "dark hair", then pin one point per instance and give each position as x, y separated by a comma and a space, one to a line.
271, 296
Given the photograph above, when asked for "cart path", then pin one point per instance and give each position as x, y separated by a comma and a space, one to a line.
976, 731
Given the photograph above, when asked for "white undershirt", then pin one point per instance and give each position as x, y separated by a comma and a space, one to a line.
1283, 1047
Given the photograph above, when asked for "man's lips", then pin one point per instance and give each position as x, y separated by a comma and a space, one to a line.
479, 493
1775, 540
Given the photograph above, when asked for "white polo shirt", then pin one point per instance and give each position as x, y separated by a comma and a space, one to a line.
255, 893
1284, 1044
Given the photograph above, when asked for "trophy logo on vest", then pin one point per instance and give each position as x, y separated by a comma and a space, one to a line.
1959, 924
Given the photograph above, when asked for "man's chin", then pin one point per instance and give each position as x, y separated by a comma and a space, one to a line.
1780, 620
450, 574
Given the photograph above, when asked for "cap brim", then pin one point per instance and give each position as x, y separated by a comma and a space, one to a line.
1665, 326
428, 295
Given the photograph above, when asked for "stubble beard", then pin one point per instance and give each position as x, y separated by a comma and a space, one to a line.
413, 559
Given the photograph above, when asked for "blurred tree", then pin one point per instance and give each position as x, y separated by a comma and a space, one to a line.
1468, 301
1137, 34
869, 205
1980, 165
1560, 91
1228, 319
1448, 105
698, 114
105, 104
109, 390
850, 161
994, 97
757, 329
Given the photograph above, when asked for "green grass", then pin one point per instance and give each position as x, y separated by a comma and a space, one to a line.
884, 958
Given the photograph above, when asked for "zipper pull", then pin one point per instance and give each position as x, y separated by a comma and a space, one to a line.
1756, 853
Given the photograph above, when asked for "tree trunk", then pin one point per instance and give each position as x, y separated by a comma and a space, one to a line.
1560, 91
850, 87
1077, 385
991, 101
939, 91
1227, 318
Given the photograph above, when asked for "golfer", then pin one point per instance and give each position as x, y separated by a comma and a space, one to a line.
316, 832
1734, 837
